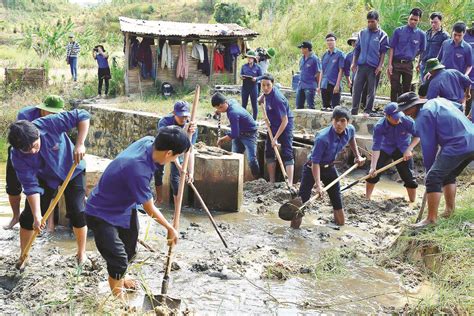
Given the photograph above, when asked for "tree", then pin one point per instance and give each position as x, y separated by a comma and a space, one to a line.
231, 13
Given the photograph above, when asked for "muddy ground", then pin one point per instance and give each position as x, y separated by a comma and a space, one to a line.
268, 268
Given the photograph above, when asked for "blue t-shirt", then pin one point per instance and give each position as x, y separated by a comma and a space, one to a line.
449, 84
468, 38
277, 107
407, 42
433, 43
29, 113
168, 120
439, 123
254, 71
309, 68
56, 154
102, 62
456, 57
240, 120
370, 46
124, 184
331, 63
388, 137
347, 64
328, 144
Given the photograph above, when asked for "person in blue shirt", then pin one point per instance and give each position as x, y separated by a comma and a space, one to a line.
320, 169
406, 43
331, 74
447, 83
281, 124
367, 64
392, 139
103, 74
243, 130
179, 117
435, 37
438, 123
51, 104
250, 73
42, 156
310, 68
455, 53
348, 61
111, 209
469, 38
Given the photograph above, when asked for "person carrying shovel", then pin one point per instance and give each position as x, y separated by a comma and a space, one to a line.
179, 117
111, 210
281, 125
320, 168
392, 140
42, 155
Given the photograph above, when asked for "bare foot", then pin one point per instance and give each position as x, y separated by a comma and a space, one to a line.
447, 214
81, 259
13, 222
422, 224
130, 284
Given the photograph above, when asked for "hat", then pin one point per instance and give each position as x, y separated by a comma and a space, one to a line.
391, 109
433, 64
181, 108
408, 100
306, 44
251, 54
271, 52
353, 38
52, 103
71, 35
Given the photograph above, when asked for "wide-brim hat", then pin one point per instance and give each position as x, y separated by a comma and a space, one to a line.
433, 64
353, 38
251, 54
408, 100
271, 52
52, 103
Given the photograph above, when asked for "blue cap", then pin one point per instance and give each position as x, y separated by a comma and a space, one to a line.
181, 108
391, 109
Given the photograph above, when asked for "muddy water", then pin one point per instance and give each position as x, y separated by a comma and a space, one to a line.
215, 280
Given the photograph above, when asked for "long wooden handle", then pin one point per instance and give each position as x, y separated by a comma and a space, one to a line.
277, 153
330, 185
50, 210
422, 208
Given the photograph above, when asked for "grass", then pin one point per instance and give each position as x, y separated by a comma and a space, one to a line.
449, 269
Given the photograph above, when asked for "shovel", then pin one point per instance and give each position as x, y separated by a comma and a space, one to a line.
162, 303
277, 153
390, 165
20, 265
294, 209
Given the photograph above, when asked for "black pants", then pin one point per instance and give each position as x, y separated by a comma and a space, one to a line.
403, 168
116, 244
327, 175
403, 71
104, 75
330, 100
13, 186
75, 193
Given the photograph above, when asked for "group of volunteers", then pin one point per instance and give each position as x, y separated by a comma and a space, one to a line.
41, 153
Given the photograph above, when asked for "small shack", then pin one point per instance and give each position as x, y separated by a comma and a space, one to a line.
181, 54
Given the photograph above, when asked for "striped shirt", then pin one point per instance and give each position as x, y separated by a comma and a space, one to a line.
73, 49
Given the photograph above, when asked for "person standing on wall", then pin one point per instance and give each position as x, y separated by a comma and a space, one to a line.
406, 43
102, 58
72, 53
310, 69
250, 74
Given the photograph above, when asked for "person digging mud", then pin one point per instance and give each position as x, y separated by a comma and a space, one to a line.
392, 139
281, 123
438, 122
243, 130
111, 210
42, 156
179, 117
320, 168
52, 104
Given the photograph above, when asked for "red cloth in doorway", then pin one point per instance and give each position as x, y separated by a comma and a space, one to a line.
218, 61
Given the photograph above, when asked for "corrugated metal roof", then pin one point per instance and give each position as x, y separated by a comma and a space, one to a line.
181, 29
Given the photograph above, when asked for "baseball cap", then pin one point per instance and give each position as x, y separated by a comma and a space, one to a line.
306, 44
390, 109
181, 108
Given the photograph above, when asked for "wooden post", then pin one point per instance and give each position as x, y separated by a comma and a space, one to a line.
235, 69
211, 61
126, 62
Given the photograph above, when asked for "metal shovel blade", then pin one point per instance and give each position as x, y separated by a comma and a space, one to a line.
291, 210
161, 304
